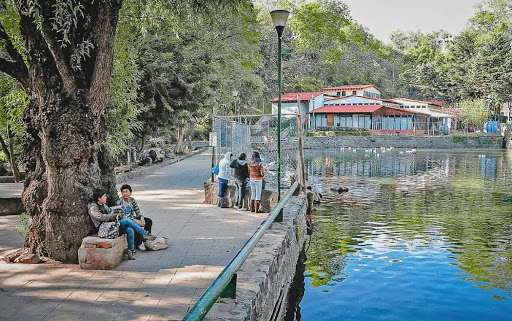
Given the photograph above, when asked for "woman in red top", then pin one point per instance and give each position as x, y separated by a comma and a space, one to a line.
256, 174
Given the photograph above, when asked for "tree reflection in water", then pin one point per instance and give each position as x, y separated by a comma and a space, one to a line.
452, 206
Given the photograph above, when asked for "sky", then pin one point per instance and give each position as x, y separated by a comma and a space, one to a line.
382, 17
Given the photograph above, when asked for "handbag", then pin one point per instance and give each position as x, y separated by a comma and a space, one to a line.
215, 170
109, 230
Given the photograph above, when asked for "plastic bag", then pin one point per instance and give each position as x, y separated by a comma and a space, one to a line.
159, 243
215, 170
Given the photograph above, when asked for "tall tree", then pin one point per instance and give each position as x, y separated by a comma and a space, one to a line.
66, 72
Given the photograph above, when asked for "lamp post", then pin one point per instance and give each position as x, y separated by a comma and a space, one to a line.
313, 123
279, 17
235, 94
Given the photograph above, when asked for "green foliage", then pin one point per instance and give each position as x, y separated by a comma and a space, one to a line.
10, 19
13, 102
460, 139
23, 228
190, 61
474, 112
123, 106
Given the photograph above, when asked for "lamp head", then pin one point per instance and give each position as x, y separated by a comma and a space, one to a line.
279, 17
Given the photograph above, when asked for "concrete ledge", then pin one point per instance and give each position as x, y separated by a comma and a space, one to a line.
268, 198
10, 199
11, 206
6, 179
265, 277
97, 253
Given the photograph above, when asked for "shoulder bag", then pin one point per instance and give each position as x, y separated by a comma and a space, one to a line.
109, 230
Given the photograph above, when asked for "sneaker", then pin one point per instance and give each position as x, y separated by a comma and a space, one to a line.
148, 237
131, 255
242, 209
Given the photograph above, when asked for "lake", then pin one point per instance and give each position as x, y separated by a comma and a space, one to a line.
420, 235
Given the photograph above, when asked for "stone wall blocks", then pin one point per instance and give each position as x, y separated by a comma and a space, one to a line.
265, 277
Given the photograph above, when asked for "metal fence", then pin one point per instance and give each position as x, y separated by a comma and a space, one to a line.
248, 133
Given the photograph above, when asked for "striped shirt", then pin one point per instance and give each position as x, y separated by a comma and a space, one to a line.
131, 209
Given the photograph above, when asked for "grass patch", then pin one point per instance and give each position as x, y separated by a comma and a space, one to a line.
460, 139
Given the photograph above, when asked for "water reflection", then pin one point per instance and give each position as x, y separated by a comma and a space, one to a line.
415, 228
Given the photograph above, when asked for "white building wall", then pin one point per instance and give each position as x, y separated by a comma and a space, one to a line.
354, 100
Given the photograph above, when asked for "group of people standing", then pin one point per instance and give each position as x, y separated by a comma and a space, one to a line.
244, 171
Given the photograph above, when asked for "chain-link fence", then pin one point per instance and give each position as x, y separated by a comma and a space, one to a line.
248, 133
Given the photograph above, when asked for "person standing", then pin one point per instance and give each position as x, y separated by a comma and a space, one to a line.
241, 175
256, 174
224, 176
132, 211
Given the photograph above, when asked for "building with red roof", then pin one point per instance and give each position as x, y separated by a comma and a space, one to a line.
354, 90
374, 118
361, 107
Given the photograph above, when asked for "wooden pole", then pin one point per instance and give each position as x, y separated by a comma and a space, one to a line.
300, 158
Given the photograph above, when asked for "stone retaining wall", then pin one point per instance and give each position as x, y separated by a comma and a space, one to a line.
402, 141
265, 278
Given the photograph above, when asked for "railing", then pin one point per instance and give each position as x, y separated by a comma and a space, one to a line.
227, 277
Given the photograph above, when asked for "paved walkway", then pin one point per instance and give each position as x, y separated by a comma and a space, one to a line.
159, 285
8, 190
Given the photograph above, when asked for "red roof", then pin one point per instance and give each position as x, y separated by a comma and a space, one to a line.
347, 109
437, 103
351, 87
292, 97
359, 109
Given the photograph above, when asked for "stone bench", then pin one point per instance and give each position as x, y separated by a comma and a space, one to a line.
97, 253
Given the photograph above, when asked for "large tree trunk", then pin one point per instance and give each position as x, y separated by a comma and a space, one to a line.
64, 155
179, 140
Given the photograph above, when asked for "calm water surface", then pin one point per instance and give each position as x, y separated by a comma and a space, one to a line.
422, 235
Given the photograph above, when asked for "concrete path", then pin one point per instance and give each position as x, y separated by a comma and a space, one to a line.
159, 285
9, 190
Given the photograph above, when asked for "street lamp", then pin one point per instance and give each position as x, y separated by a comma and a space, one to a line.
279, 18
235, 94
313, 123
489, 102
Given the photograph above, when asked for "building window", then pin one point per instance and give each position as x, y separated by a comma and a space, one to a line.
337, 94
343, 93
354, 93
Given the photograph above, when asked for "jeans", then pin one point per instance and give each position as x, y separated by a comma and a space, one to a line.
147, 227
256, 187
240, 192
223, 186
130, 227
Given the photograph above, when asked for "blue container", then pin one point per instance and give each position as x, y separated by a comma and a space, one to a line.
491, 127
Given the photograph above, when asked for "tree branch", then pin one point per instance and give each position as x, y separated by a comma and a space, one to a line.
104, 30
15, 68
60, 61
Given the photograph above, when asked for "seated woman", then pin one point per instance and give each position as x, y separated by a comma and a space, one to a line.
132, 211
100, 212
